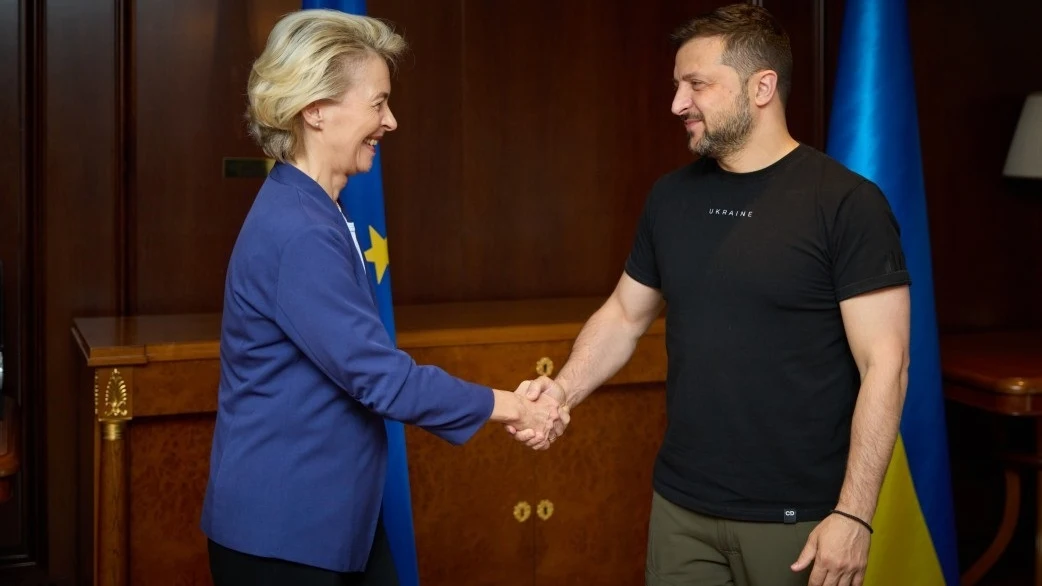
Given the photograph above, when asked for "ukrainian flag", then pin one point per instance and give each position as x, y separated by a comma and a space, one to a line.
363, 198
874, 131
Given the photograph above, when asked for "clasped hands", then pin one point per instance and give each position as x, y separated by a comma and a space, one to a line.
544, 415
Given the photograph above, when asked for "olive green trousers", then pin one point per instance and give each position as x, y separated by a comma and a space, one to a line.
689, 549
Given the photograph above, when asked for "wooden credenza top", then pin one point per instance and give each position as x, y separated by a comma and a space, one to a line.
1007, 362
493, 322
117, 341
120, 341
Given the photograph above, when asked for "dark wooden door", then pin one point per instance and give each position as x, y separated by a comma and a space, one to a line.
15, 504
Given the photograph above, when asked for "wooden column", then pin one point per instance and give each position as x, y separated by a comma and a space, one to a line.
112, 406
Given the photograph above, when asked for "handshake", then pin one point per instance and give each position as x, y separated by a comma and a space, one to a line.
543, 414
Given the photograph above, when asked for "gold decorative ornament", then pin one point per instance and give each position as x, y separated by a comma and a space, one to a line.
544, 366
544, 509
522, 511
112, 404
112, 430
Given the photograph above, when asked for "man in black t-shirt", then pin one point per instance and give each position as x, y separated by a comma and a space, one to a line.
787, 328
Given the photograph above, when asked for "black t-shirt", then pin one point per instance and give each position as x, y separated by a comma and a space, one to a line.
761, 383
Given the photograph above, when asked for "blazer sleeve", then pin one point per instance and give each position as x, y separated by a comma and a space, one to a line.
334, 322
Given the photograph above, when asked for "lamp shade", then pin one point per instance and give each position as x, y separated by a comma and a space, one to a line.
1025, 152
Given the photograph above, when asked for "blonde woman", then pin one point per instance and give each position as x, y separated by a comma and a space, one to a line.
308, 373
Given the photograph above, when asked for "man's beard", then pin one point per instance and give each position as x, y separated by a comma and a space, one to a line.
729, 136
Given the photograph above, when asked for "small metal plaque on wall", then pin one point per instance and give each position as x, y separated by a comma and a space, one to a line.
240, 167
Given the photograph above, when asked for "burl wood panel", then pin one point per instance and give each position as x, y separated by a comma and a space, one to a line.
177, 387
463, 501
598, 477
504, 366
169, 466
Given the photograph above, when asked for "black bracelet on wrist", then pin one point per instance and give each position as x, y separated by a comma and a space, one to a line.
853, 518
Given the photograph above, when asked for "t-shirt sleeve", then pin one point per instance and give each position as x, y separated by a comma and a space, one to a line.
641, 264
866, 244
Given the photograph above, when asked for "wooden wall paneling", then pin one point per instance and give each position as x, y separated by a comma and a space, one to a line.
15, 515
191, 61
567, 125
525, 155
530, 139
423, 160
80, 252
805, 24
972, 76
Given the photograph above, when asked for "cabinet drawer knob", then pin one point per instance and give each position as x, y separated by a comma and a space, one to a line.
522, 511
544, 366
544, 509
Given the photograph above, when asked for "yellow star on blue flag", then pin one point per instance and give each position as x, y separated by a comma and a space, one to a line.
377, 254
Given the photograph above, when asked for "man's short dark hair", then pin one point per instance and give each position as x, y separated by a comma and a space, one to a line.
753, 41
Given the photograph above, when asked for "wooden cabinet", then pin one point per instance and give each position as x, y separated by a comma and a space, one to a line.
598, 478
492, 512
463, 502
489, 512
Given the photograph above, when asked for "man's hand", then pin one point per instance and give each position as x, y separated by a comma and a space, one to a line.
838, 548
545, 385
539, 391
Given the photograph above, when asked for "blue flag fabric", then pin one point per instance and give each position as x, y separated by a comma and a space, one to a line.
363, 199
874, 131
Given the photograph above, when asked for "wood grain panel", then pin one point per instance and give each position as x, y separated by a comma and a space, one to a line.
528, 144
528, 177
567, 125
423, 160
177, 387
191, 60
598, 477
79, 255
463, 500
169, 466
504, 366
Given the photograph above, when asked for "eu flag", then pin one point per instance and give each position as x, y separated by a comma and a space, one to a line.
364, 200
874, 130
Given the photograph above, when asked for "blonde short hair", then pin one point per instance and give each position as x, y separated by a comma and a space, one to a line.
308, 57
